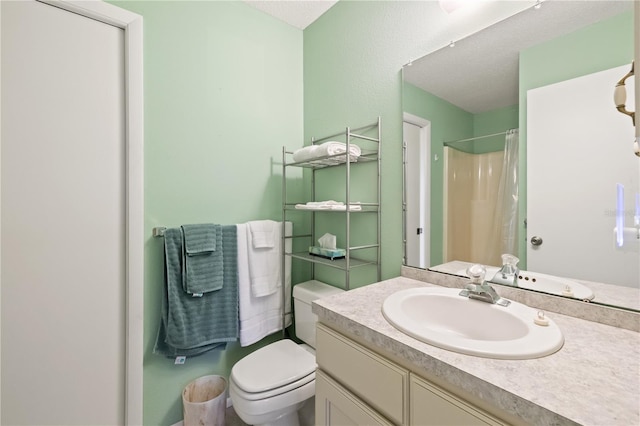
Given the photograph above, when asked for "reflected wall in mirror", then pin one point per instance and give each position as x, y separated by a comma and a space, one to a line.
515, 131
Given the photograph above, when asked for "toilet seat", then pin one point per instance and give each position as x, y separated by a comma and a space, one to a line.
252, 411
273, 369
254, 396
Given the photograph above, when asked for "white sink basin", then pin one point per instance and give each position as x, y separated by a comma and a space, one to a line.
443, 318
545, 283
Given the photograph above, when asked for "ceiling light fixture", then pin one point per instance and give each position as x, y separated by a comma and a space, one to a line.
538, 5
451, 6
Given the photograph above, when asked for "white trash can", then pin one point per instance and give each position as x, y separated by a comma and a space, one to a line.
204, 401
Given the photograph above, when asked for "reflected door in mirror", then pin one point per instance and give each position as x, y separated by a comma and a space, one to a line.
575, 121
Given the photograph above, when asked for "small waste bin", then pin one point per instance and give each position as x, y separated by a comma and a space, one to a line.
204, 401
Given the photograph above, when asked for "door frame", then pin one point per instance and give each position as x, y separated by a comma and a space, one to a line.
424, 162
131, 24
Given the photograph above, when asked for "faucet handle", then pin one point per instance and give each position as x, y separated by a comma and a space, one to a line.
509, 259
476, 273
509, 264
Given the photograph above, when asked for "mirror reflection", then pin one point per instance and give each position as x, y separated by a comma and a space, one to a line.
513, 146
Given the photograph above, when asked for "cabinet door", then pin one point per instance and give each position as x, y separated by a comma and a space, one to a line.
433, 406
337, 406
379, 382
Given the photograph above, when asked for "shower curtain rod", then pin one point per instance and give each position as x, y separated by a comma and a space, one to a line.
479, 137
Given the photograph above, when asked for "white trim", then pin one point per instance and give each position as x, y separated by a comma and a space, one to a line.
636, 30
131, 23
424, 189
415, 120
0, 208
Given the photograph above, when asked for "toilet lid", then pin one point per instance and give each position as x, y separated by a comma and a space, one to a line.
273, 366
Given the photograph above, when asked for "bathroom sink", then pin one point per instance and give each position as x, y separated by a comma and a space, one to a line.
443, 318
545, 283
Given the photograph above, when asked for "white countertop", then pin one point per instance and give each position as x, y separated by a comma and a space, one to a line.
593, 380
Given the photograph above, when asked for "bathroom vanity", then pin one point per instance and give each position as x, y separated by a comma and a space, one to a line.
371, 373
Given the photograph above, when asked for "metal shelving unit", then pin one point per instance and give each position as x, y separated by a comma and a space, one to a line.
370, 152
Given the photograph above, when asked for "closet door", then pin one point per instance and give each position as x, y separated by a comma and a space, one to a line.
63, 217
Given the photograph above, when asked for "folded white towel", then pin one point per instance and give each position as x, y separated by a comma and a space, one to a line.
313, 152
263, 233
352, 207
329, 205
264, 266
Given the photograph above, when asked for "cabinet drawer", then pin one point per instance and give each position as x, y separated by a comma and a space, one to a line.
433, 406
380, 383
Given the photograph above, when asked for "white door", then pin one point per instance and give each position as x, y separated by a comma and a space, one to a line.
417, 184
579, 148
63, 217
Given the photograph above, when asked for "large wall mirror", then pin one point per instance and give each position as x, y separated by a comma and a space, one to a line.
513, 145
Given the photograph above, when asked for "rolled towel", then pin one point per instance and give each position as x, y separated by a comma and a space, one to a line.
334, 148
305, 154
314, 152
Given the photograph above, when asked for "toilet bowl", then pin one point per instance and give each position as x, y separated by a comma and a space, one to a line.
270, 385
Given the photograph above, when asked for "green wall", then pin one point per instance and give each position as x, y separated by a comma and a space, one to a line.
223, 93
598, 47
491, 122
353, 57
224, 88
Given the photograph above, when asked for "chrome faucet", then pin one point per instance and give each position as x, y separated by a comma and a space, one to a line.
480, 289
508, 274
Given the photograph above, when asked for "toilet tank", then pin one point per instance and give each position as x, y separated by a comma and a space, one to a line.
305, 321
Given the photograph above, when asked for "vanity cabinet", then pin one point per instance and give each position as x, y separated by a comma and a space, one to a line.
341, 407
355, 385
381, 384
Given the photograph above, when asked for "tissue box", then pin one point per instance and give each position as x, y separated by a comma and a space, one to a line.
327, 253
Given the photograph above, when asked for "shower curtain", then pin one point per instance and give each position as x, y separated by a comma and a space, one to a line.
505, 222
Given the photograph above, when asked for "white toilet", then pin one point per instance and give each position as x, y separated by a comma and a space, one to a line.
270, 385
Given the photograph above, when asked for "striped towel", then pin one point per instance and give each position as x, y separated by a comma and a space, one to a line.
194, 325
202, 263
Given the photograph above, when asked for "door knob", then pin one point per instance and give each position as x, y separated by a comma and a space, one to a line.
536, 241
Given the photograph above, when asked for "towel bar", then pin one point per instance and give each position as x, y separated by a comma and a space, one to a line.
158, 231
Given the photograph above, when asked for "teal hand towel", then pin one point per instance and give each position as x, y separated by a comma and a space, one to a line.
202, 263
194, 325
200, 239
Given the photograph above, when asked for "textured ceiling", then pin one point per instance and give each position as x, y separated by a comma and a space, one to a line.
481, 72
299, 13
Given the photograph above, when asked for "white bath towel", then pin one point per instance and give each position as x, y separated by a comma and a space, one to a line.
263, 233
260, 316
313, 152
